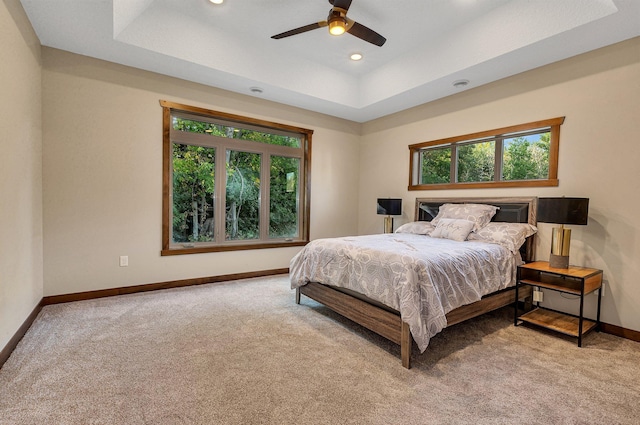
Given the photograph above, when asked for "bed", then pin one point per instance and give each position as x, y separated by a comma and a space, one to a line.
408, 286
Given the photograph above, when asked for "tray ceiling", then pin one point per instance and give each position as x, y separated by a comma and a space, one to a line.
430, 44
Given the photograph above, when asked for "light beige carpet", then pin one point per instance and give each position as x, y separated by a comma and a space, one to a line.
244, 353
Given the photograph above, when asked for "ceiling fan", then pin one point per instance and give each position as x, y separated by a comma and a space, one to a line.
338, 24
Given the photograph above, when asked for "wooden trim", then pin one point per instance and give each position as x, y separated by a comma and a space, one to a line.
232, 117
486, 185
306, 201
491, 133
89, 295
554, 146
22, 330
169, 248
620, 331
166, 176
414, 169
230, 247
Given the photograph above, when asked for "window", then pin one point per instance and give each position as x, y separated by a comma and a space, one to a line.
232, 182
517, 156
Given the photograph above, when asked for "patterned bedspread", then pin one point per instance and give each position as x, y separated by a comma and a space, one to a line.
421, 277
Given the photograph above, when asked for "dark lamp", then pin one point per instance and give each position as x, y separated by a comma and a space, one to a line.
562, 211
389, 207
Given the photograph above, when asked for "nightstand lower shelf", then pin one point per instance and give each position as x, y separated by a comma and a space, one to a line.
559, 322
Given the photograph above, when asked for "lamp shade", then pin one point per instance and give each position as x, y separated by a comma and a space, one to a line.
389, 206
563, 210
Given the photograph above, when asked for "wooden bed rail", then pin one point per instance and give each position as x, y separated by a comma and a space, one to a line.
389, 324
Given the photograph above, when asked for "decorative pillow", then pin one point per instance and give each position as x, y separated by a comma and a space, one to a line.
480, 214
456, 230
417, 227
509, 235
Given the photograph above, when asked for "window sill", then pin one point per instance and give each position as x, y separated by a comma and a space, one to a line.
486, 185
224, 248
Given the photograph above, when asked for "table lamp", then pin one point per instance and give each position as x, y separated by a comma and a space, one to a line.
562, 211
389, 207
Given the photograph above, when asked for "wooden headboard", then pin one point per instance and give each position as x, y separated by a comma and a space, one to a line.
512, 210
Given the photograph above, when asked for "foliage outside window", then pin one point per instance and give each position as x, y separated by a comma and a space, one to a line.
232, 182
516, 156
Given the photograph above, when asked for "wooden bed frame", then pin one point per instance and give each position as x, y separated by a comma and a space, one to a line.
386, 321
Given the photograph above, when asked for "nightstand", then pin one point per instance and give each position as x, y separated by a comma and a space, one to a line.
578, 281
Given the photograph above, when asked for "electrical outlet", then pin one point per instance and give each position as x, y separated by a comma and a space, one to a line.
124, 261
537, 296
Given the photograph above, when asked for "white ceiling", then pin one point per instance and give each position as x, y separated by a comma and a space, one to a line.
430, 44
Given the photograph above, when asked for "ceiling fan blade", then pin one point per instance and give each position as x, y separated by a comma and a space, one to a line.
343, 4
300, 30
365, 33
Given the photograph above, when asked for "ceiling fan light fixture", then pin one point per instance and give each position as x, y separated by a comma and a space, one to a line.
337, 24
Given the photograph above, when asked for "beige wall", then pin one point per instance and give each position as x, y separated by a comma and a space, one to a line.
599, 93
20, 171
103, 175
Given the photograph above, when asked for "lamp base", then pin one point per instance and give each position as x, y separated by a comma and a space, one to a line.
388, 224
559, 261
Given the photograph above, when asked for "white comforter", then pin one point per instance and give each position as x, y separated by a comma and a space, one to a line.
421, 277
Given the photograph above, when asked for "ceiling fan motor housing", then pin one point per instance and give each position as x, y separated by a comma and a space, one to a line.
337, 21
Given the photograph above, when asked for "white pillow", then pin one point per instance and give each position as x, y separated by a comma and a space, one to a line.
454, 229
416, 227
480, 214
509, 235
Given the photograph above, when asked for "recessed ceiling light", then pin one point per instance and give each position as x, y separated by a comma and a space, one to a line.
256, 90
216, 1
356, 56
460, 83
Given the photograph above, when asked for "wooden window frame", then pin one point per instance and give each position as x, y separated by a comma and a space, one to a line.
169, 248
553, 124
